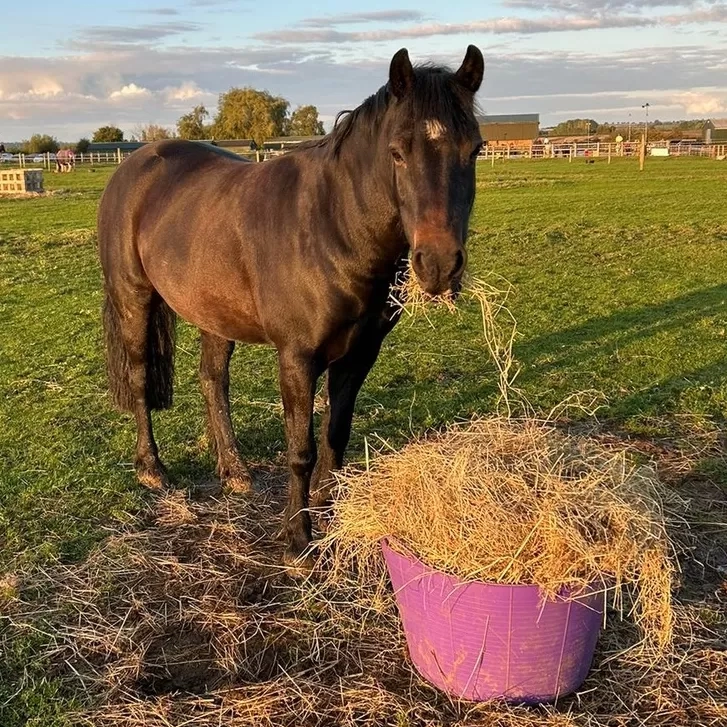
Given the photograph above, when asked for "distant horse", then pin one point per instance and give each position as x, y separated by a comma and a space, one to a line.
65, 160
299, 252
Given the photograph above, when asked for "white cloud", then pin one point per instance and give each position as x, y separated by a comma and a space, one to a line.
598, 15
375, 16
495, 26
701, 104
99, 35
45, 87
72, 95
591, 6
188, 91
131, 90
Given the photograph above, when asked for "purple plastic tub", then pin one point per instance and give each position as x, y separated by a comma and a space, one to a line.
482, 641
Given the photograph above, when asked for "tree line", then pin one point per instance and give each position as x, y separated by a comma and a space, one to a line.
657, 129
242, 113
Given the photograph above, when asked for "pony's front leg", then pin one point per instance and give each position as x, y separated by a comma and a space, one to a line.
298, 376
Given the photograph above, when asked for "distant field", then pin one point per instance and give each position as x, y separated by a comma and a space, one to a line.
620, 285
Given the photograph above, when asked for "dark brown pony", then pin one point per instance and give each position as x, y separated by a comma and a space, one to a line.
299, 252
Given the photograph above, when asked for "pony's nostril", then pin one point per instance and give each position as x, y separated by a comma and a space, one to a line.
459, 260
417, 259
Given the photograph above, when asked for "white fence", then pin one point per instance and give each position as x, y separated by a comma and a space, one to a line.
527, 151
602, 149
98, 158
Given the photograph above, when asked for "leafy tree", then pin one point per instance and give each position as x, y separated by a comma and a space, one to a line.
304, 122
245, 113
40, 144
152, 132
82, 146
192, 125
575, 127
108, 133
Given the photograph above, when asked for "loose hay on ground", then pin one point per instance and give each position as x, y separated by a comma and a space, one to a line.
186, 619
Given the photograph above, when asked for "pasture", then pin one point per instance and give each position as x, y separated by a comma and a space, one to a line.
619, 285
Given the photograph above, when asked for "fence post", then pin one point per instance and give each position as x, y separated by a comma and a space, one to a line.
642, 153
609, 152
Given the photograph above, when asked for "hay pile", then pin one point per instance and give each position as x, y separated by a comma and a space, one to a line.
517, 501
514, 500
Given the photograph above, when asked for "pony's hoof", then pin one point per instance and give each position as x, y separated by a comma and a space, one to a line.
298, 565
237, 484
153, 478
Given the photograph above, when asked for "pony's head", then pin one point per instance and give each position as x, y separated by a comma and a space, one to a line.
433, 139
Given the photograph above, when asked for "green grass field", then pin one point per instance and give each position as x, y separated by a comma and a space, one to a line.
619, 285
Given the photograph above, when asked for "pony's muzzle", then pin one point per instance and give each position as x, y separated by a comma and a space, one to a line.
439, 270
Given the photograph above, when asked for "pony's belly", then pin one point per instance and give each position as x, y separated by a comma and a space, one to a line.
234, 320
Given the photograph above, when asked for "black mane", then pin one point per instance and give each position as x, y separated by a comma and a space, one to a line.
436, 95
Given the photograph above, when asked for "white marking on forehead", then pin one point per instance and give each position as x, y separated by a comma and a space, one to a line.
434, 129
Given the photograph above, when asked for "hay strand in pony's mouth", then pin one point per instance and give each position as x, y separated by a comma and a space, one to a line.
499, 327
490, 294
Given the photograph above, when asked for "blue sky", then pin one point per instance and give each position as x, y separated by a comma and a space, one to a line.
79, 65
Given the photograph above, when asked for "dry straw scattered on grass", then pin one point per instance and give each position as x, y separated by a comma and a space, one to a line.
186, 619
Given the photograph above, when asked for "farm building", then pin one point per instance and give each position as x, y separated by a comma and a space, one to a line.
715, 131
506, 128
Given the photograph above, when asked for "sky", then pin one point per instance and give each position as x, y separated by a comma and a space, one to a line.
68, 68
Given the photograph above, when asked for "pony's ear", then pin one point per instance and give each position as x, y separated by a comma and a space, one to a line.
401, 74
472, 70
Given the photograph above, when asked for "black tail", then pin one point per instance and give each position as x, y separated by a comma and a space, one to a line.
160, 341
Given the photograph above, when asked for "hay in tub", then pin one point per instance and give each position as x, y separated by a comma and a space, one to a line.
517, 501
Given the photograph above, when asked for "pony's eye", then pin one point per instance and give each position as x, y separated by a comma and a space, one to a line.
398, 158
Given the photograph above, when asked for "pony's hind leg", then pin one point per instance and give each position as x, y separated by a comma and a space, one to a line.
214, 374
140, 347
